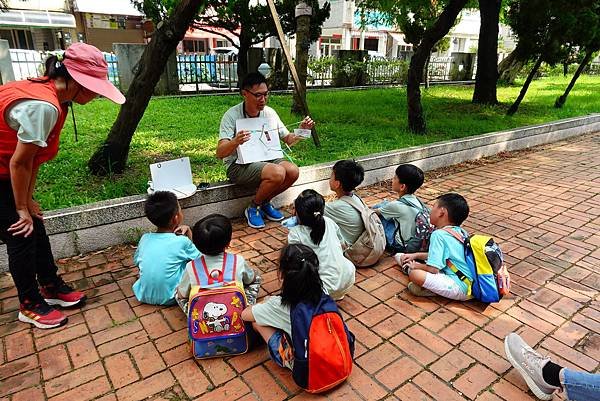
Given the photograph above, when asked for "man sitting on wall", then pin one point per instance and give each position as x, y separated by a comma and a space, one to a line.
271, 177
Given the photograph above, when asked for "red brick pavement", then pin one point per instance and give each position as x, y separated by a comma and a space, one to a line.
542, 205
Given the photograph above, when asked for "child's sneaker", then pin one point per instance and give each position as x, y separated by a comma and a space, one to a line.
398, 258
254, 217
419, 291
61, 294
41, 315
529, 364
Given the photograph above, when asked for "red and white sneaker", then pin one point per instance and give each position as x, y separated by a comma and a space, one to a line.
61, 294
41, 315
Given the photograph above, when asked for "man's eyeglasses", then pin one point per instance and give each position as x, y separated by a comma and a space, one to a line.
259, 95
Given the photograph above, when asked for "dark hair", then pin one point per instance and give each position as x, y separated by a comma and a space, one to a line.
411, 176
56, 68
299, 272
212, 234
349, 173
456, 206
160, 208
253, 78
310, 207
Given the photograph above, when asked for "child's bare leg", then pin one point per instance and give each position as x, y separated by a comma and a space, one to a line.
417, 276
265, 331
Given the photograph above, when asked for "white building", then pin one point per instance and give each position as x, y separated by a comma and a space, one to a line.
37, 24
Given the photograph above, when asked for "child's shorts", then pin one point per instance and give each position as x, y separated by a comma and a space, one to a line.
281, 350
445, 286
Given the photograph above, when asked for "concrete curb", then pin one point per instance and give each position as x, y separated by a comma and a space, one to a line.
99, 225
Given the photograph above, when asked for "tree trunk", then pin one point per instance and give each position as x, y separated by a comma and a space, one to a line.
302, 46
515, 106
562, 99
486, 78
441, 27
242, 64
111, 156
427, 71
509, 68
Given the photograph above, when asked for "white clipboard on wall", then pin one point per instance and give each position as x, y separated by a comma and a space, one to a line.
174, 176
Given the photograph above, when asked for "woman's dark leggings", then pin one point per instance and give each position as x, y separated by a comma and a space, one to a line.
29, 257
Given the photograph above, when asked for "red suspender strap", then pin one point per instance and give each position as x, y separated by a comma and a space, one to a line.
208, 277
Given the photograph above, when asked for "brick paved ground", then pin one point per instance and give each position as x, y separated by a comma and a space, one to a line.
543, 206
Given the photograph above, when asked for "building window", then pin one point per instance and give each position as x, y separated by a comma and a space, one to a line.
17, 38
223, 43
194, 46
329, 46
372, 44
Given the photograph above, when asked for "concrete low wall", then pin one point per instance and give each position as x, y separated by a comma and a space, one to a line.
99, 225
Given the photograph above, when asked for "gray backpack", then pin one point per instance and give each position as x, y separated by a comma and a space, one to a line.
369, 247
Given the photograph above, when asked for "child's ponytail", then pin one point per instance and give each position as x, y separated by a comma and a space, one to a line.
299, 271
310, 207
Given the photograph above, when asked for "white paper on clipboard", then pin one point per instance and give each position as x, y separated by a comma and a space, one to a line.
173, 176
264, 140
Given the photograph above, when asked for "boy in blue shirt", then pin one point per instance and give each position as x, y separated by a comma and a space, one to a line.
162, 256
445, 270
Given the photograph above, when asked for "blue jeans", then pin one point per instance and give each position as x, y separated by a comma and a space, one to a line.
581, 386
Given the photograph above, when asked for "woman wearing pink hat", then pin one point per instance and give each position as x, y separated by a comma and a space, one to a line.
32, 115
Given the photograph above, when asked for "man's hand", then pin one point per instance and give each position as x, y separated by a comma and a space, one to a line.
24, 226
35, 210
307, 123
241, 137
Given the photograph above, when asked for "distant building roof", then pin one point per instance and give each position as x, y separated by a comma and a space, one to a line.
110, 7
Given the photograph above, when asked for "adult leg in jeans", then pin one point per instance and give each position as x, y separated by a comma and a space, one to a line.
580, 385
544, 377
45, 267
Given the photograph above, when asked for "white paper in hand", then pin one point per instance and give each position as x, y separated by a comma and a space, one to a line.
264, 140
173, 176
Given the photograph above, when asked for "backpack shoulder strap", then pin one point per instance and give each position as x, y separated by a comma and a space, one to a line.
201, 276
451, 265
407, 203
461, 238
352, 202
229, 267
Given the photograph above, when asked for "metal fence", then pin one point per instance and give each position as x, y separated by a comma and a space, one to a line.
30, 64
199, 72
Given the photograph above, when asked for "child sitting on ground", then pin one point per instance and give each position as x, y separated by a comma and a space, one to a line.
345, 177
300, 283
162, 256
212, 236
398, 216
445, 271
323, 236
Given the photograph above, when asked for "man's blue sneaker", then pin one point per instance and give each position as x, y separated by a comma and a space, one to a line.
254, 217
270, 212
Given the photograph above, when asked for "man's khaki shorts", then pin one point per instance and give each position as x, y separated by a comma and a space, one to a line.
248, 175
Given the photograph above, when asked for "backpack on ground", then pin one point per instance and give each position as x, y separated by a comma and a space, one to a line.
369, 247
491, 280
322, 344
215, 324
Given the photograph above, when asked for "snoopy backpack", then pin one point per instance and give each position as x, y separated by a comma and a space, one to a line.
215, 324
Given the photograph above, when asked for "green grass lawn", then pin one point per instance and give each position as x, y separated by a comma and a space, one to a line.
349, 123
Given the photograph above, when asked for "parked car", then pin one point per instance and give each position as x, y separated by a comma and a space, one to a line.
227, 51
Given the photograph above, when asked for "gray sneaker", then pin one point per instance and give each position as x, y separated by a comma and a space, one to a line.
419, 291
529, 364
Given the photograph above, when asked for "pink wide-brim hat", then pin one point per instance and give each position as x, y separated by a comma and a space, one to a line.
88, 68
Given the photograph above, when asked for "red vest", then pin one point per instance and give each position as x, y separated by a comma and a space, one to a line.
24, 90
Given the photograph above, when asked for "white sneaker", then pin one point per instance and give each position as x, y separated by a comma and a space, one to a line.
529, 364
398, 258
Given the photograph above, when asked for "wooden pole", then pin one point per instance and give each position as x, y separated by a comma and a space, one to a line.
288, 57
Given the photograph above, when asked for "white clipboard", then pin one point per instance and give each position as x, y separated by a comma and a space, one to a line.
264, 141
174, 176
